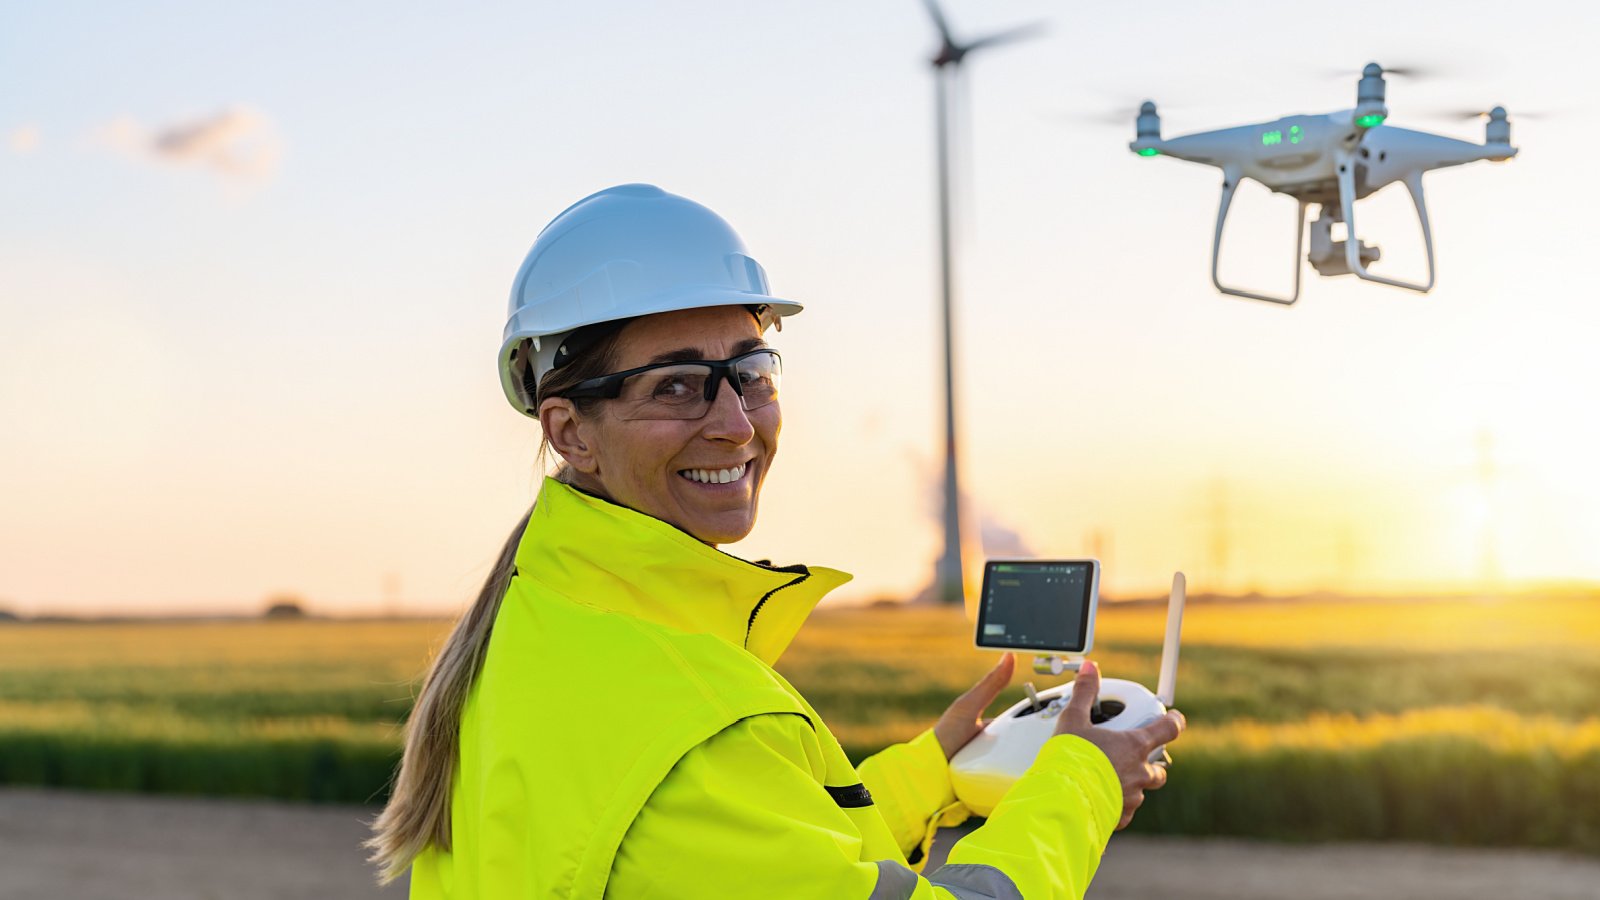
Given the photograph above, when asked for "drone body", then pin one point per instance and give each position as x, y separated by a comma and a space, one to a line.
1331, 161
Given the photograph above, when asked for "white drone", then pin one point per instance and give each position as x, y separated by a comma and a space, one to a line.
1331, 160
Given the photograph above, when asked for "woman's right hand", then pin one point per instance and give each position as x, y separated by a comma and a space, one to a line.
1129, 751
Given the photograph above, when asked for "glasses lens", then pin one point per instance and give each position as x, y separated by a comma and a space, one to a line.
679, 391
759, 374
672, 392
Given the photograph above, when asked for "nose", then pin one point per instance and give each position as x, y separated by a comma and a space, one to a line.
726, 418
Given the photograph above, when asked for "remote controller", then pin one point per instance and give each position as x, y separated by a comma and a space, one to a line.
991, 762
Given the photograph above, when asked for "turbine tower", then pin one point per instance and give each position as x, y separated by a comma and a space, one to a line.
948, 583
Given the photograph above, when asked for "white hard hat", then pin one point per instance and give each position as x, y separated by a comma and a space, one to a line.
626, 251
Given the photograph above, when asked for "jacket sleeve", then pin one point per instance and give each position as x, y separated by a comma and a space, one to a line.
910, 784
745, 815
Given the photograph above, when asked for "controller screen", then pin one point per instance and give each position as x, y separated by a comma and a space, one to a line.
1035, 605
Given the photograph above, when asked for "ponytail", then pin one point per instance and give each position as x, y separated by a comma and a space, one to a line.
418, 813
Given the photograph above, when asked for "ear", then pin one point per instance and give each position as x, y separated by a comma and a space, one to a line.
566, 432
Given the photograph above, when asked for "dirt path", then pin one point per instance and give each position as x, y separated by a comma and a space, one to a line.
1140, 868
88, 846
85, 846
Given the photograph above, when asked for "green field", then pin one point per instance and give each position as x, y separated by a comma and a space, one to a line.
1448, 721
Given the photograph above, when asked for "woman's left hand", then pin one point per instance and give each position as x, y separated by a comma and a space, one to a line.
963, 720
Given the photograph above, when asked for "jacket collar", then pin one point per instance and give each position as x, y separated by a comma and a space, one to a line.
601, 554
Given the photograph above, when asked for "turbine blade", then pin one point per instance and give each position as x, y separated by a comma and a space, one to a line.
939, 20
1009, 36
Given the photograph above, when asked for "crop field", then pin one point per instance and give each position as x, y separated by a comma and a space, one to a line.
1471, 722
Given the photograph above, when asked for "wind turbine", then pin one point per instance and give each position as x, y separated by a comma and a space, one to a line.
948, 583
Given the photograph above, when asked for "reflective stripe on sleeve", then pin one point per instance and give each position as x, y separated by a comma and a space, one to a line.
974, 882
966, 882
895, 882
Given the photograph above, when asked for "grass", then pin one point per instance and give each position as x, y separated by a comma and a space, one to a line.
1457, 721
1465, 775
854, 665
305, 710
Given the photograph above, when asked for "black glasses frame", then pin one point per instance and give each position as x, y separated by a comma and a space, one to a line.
609, 387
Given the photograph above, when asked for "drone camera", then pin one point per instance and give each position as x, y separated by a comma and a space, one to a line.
1327, 255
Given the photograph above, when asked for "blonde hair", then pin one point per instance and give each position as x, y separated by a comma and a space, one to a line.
418, 812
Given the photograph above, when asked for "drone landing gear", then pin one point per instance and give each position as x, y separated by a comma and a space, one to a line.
1328, 256
1230, 183
1356, 254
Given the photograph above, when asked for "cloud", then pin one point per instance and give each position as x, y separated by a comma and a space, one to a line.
236, 143
995, 537
1001, 540
25, 139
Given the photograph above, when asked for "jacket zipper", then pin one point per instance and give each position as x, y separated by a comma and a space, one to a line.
750, 625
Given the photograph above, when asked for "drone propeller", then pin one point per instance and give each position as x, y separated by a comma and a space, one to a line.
1124, 112
1414, 72
1470, 114
1121, 114
1111, 118
1120, 107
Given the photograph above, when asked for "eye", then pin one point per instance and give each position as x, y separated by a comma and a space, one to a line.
675, 387
760, 374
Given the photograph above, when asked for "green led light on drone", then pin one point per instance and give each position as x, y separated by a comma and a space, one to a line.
1149, 151
1369, 121
1271, 138
1295, 134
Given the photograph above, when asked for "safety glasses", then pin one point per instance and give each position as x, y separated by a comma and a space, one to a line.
685, 390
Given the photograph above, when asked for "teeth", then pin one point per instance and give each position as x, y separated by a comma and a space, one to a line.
715, 476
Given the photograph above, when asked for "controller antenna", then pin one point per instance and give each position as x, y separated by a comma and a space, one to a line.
1167, 684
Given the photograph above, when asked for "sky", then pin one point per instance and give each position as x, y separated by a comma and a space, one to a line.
255, 261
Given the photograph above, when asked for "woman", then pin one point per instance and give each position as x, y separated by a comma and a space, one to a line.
605, 719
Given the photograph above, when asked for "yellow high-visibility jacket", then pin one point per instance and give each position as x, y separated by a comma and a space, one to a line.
628, 737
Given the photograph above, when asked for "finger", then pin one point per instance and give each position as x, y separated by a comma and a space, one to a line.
1130, 805
980, 695
1162, 731
1085, 689
1156, 777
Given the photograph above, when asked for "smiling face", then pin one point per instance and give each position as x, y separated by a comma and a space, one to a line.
672, 469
